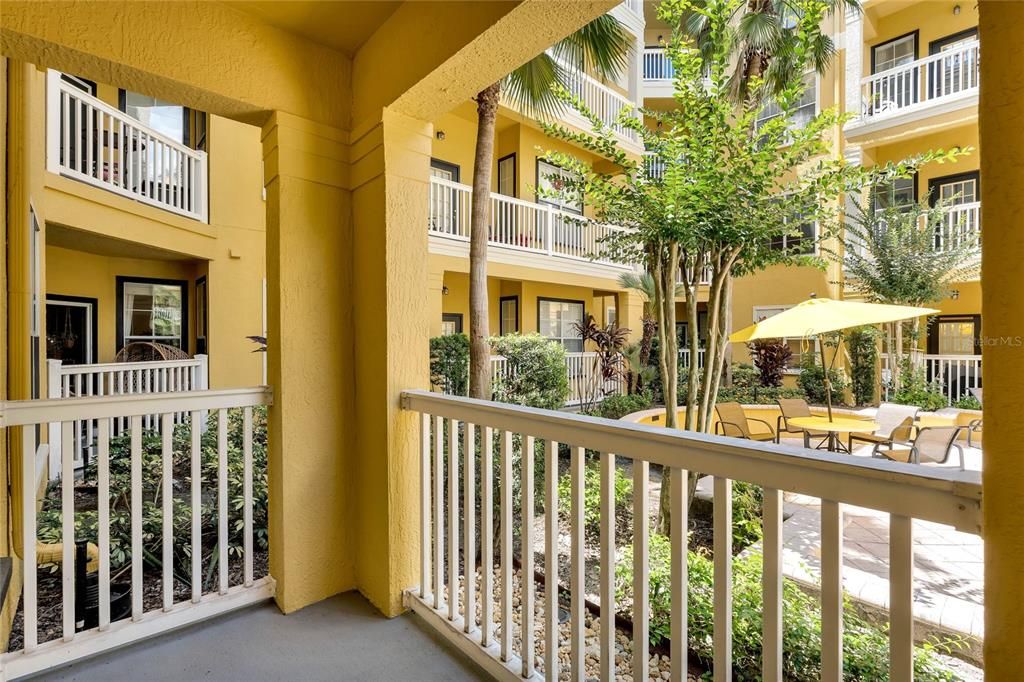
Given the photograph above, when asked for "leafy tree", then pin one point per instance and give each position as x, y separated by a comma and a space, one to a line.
602, 45
731, 190
862, 343
449, 363
535, 373
906, 255
770, 356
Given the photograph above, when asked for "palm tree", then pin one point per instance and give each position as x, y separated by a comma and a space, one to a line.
643, 283
601, 46
763, 39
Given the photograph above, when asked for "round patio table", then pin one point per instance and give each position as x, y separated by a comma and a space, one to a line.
834, 427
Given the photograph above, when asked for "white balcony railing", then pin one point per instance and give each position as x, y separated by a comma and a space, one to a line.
499, 634
583, 370
601, 100
684, 357
90, 141
938, 78
520, 225
956, 374
657, 65
635, 6
117, 378
962, 226
114, 603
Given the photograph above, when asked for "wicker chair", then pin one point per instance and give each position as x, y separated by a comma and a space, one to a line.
792, 408
932, 445
733, 421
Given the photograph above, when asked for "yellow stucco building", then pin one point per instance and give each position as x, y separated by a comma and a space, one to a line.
210, 171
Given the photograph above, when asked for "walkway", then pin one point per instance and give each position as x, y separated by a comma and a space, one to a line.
342, 638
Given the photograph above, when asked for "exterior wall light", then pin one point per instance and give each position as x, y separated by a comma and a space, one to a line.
439, 134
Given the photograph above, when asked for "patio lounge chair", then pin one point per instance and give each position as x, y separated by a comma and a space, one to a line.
895, 423
792, 408
932, 445
733, 421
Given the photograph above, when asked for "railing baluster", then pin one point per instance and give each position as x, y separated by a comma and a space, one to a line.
551, 560
526, 584
438, 510
486, 534
680, 574
576, 558
67, 511
831, 591
103, 517
167, 493
247, 474
28, 535
453, 518
222, 498
136, 478
469, 525
197, 508
901, 598
641, 570
424, 505
722, 524
607, 635
771, 576
506, 545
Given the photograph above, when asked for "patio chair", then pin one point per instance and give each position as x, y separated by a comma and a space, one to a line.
932, 445
895, 423
792, 408
733, 421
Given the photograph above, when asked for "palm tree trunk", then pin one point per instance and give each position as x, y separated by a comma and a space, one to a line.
479, 331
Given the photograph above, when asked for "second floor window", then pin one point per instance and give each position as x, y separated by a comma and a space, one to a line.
153, 311
168, 119
799, 242
900, 192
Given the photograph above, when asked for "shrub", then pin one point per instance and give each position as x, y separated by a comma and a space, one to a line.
592, 497
812, 381
618, 406
535, 373
863, 346
865, 646
770, 357
747, 514
747, 389
449, 363
918, 391
968, 402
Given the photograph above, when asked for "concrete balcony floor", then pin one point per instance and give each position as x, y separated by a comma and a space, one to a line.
342, 638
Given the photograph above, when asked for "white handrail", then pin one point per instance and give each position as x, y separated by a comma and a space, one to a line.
602, 101
904, 491
962, 225
116, 629
934, 78
90, 141
955, 374
520, 224
657, 65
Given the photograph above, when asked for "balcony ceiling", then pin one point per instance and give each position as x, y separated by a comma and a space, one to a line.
343, 26
102, 245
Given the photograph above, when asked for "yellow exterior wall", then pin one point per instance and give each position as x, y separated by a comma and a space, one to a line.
932, 20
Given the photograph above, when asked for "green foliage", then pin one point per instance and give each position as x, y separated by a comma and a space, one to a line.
916, 390
812, 381
865, 646
968, 402
86, 521
863, 346
747, 514
747, 389
536, 375
770, 356
449, 363
618, 406
592, 497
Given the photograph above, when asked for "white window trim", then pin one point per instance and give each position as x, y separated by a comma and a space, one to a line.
561, 339
126, 318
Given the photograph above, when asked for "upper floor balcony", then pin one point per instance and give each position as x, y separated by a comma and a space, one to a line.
944, 82
525, 233
92, 142
658, 72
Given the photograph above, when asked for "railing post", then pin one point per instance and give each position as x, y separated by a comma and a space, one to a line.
201, 382
200, 190
53, 121
53, 390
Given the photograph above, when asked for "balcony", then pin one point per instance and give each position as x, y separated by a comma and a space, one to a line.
522, 232
941, 83
961, 226
658, 73
92, 142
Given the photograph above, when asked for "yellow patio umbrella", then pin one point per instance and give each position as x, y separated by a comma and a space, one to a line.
823, 315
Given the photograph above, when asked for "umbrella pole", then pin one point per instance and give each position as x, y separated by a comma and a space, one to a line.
828, 381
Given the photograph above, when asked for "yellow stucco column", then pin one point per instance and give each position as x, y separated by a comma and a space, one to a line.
310, 330
630, 312
390, 172
1001, 122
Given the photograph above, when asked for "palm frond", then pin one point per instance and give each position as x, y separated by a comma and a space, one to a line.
602, 45
529, 87
761, 31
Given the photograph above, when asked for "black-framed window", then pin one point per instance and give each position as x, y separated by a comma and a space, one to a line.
83, 84
961, 188
167, 118
898, 193
556, 320
954, 335
553, 178
202, 316
444, 170
958, 70
508, 321
952, 41
71, 329
451, 323
894, 52
150, 309
801, 241
507, 175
